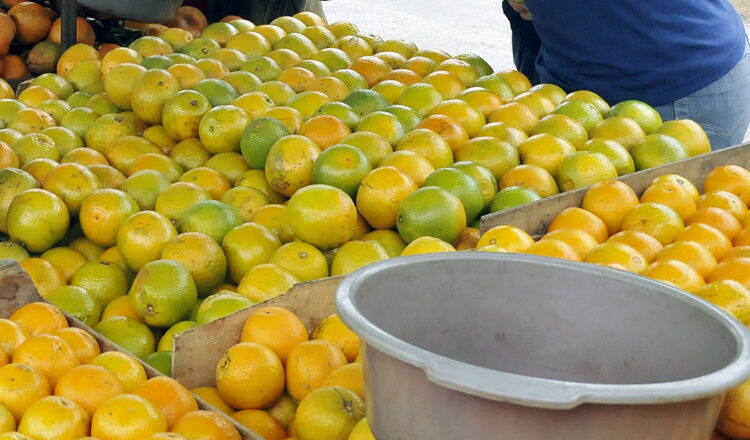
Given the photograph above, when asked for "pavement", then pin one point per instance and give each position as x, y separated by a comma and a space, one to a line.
455, 26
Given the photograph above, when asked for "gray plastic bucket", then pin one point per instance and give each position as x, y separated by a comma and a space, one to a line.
475, 345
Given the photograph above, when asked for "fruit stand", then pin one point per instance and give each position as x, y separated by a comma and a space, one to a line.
194, 199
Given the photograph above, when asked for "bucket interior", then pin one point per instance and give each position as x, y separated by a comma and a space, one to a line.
546, 320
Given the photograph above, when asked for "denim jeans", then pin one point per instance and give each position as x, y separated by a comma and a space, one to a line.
722, 108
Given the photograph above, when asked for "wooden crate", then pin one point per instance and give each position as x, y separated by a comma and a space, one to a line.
17, 289
536, 216
196, 352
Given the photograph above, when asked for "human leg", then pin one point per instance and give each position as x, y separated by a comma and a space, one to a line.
525, 43
721, 108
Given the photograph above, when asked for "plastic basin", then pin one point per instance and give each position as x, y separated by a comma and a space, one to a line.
476, 345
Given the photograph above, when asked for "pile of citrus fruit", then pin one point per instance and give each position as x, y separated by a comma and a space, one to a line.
699, 242
163, 185
56, 384
281, 381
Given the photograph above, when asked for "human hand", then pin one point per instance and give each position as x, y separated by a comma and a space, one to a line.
520, 7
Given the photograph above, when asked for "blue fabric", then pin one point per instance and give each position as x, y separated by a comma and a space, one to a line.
722, 108
655, 51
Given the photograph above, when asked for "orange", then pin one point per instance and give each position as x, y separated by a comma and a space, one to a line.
38, 318
173, 399
30, 120
463, 113
532, 177
322, 215
508, 237
610, 200
72, 183
563, 127
447, 84
330, 86
492, 153
89, 386
689, 133
309, 364
303, 260
206, 425
743, 238
737, 269
8, 157
429, 144
289, 164
127, 417
54, 417
617, 253
545, 150
676, 178
266, 281
413, 164
691, 253
516, 79
591, 98
732, 178
329, 412
211, 396
578, 218
729, 295
126, 368
724, 200
673, 195
84, 156
720, 219
201, 256
50, 355
84, 345
32, 21
247, 246
737, 251
645, 244
708, 236
675, 272
45, 275
516, 114
453, 133
142, 237
209, 179
620, 129
276, 328
324, 130
537, 102
381, 192
655, 219
372, 68
581, 241
249, 376
348, 376
333, 330
11, 336
549, 247
20, 387
505, 132
261, 423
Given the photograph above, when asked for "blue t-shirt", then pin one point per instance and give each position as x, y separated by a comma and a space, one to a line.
655, 51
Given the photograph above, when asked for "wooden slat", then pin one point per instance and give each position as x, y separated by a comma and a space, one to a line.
535, 217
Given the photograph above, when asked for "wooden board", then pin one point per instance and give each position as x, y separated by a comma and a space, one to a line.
196, 352
535, 217
17, 289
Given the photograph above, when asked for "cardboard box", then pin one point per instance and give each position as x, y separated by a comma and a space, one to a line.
196, 352
17, 289
536, 216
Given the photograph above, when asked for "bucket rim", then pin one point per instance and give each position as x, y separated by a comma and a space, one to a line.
534, 391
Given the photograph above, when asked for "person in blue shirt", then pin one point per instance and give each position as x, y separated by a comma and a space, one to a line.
686, 58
